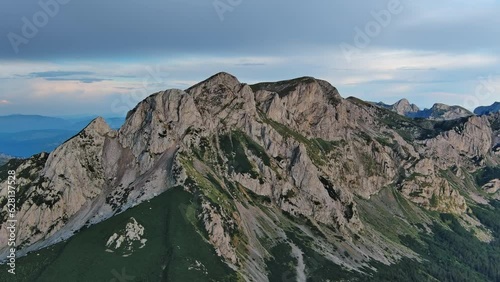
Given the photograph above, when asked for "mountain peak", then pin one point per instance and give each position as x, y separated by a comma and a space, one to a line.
98, 125
223, 78
403, 107
403, 101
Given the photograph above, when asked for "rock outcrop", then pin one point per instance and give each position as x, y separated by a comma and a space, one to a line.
402, 107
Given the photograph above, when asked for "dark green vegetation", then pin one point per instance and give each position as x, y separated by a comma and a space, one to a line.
454, 254
419, 129
175, 250
12, 164
233, 146
282, 262
318, 268
485, 175
495, 121
450, 253
175, 246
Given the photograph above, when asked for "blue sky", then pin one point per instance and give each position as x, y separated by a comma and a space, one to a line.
70, 57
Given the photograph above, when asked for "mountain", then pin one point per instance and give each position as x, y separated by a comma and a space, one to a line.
486, 110
437, 112
17, 123
276, 181
20, 123
402, 107
26, 135
443, 112
27, 143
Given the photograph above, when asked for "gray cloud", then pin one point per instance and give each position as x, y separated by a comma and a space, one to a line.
66, 76
56, 74
144, 28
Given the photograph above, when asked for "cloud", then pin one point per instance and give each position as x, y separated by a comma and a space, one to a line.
389, 60
56, 74
67, 76
4, 102
83, 80
377, 74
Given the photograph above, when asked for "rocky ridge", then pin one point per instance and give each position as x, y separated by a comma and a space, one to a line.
438, 111
297, 144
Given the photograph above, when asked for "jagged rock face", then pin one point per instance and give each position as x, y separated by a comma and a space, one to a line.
426, 187
445, 112
296, 143
62, 186
473, 139
402, 107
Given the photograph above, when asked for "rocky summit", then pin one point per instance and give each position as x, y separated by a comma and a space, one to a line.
438, 111
271, 181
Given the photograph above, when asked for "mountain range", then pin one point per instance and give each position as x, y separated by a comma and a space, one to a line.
437, 112
26, 135
276, 181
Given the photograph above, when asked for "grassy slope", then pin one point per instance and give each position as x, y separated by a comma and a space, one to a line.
173, 246
450, 252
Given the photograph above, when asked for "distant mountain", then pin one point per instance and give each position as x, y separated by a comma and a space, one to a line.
442, 112
27, 143
485, 110
26, 135
20, 123
437, 112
